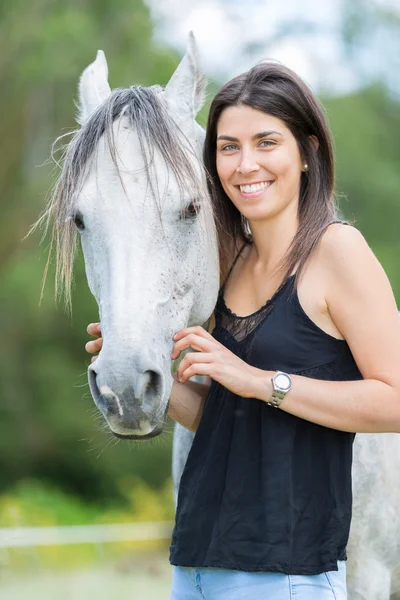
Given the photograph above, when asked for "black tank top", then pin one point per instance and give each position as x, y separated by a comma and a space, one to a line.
263, 490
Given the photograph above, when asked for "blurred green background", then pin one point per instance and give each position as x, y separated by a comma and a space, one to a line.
58, 463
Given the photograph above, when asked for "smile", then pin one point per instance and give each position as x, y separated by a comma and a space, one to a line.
254, 189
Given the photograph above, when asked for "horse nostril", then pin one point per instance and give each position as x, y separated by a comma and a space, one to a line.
153, 387
94, 388
145, 391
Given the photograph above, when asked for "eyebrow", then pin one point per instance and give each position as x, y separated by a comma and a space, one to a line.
257, 136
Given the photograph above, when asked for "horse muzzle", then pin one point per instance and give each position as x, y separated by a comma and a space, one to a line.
133, 409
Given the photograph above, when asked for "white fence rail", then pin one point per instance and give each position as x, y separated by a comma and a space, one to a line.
84, 534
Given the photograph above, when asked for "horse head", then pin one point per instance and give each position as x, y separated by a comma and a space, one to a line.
133, 186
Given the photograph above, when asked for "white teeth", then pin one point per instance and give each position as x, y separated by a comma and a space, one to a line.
255, 187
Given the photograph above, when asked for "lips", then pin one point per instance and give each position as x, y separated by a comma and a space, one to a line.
254, 189
258, 186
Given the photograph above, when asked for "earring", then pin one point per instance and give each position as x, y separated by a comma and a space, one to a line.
305, 167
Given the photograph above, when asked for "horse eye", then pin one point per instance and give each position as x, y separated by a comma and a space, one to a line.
78, 220
191, 211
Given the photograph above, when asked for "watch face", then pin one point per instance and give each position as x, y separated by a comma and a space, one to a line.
282, 381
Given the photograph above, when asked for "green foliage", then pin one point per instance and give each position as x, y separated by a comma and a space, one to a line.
365, 126
32, 503
35, 504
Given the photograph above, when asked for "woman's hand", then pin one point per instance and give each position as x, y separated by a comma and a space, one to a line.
215, 360
96, 345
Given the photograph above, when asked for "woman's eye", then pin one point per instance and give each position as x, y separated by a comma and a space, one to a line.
229, 147
267, 144
78, 220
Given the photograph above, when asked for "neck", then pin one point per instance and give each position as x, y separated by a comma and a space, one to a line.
272, 238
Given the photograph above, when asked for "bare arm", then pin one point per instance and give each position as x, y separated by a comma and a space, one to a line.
363, 308
187, 402
187, 399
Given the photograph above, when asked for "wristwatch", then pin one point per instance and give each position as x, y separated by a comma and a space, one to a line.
281, 384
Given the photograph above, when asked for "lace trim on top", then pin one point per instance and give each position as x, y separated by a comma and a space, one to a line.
241, 327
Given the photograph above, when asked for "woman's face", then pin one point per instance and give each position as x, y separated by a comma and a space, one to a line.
258, 162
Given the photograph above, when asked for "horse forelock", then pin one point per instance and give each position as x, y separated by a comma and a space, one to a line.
156, 130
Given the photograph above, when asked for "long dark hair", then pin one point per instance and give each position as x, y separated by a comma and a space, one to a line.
276, 90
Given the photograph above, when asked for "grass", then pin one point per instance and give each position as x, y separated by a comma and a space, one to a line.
136, 578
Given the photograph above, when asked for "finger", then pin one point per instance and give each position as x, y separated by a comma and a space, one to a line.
192, 358
194, 341
198, 330
196, 369
94, 346
94, 358
94, 329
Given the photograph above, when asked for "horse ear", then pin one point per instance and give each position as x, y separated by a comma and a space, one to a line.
93, 87
185, 90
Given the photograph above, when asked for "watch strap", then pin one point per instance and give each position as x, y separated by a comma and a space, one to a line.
276, 398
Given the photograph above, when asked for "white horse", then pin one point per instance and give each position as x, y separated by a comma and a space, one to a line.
133, 184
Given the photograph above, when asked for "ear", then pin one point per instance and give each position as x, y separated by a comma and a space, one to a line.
93, 87
185, 91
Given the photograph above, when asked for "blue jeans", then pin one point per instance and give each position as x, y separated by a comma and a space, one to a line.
223, 584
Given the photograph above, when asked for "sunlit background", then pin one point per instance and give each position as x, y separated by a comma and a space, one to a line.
59, 467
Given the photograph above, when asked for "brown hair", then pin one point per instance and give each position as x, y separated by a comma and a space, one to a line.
276, 90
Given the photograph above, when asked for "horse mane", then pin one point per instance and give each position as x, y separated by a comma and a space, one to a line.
156, 130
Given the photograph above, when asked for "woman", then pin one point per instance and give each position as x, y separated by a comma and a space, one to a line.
305, 352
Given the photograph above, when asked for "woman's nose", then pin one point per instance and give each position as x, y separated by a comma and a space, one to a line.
248, 163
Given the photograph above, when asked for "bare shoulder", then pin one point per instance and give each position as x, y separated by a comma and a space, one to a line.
337, 243
344, 285
340, 250
345, 254
340, 240
360, 301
